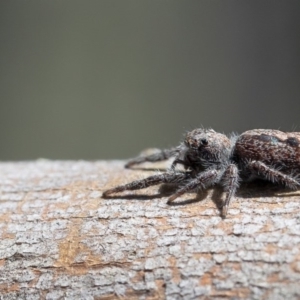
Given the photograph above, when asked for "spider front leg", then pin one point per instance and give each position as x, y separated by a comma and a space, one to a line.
202, 181
168, 177
159, 156
230, 180
263, 171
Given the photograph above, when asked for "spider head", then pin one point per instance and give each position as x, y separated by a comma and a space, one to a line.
205, 146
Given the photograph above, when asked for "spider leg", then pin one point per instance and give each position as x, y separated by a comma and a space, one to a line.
159, 156
273, 175
203, 181
168, 177
230, 180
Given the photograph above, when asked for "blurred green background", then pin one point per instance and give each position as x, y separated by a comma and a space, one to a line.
106, 79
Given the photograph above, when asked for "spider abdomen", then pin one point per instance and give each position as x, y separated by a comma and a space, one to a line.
272, 147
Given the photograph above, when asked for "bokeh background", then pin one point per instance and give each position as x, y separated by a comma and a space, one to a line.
106, 79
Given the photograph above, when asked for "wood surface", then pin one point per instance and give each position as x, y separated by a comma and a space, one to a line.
59, 239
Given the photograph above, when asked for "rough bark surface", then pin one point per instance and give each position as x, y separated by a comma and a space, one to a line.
59, 239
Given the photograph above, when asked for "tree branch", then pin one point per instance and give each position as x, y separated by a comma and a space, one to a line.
60, 239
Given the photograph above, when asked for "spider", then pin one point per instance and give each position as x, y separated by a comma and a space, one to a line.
209, 158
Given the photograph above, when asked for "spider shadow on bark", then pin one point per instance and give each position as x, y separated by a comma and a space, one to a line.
247, 190
259, 189
140, 197
164, 190
169, 189
262, 188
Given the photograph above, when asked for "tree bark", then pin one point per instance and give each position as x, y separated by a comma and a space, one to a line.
59, 239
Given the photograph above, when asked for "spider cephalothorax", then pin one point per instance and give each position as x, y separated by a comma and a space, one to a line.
204, 148
210, 158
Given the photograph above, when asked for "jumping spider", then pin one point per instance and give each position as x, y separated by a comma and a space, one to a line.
210, 158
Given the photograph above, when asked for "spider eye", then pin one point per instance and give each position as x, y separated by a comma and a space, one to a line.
204, 142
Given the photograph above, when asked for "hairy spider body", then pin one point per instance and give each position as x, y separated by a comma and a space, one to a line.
210, 158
